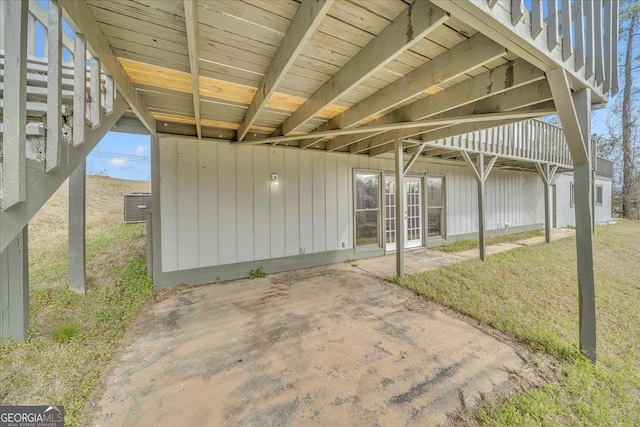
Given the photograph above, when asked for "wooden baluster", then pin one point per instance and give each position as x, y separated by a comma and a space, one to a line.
14, 163
599, 58
578, 18
608, 19
614, 47
589, 40
536, 18
94, 92
79, 89
567, 41
552, 25
517, 11
53, 145
108, 94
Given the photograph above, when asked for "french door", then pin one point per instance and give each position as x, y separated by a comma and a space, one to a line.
412, 221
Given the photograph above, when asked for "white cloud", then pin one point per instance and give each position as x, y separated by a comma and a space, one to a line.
119, 163
141, 150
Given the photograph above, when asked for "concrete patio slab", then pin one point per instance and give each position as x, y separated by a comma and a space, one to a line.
323, 346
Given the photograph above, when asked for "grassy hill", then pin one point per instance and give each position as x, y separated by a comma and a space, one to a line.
73, 336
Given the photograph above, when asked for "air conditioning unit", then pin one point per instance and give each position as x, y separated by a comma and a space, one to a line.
136, 206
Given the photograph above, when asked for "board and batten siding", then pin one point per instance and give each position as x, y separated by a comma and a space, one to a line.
220, 207
566, 214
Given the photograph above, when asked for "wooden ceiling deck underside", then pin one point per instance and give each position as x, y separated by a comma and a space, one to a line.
236, 45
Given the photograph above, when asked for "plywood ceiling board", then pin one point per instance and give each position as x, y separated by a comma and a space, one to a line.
243, 10
387, 9
359, 17
233, 75
137, 11
240, 27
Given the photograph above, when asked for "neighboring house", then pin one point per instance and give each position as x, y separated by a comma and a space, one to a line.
563, 194
276, 125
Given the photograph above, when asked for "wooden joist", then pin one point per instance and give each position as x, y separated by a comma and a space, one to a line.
191, 24
305, 22
414, 23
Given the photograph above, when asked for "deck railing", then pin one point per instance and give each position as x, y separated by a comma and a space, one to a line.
586, 32
45, 102
530, 140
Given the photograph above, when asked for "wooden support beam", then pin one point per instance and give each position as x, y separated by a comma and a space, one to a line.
584, 232
546, 175
462, 58
83, 21
14, 170
411, 26
53, 143
413, 159
400, 208
14, 286
522, 115
191, 23
559, 84
480, 173
304, 24
500, 79
80, 90
77, 227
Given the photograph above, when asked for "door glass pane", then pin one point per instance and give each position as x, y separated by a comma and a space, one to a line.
366, 228
367, 190
434, 191
434, 221
413, 211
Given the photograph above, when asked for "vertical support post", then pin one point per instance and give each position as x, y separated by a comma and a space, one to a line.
14, 173
481, 208
584, 235
77, 226
156, 230
54, 88
14, 289
400, 208
546, 174
149, 231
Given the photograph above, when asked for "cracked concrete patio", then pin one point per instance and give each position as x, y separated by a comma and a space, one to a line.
332, 345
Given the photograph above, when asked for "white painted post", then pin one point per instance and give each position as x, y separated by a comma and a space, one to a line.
77, 221
54, 88
481, 209
79, 89
400, 208
14, 288
14, 173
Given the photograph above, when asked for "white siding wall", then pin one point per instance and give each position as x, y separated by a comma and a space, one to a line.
219, 206
566, 214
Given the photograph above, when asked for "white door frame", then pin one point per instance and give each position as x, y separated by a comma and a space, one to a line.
416, 219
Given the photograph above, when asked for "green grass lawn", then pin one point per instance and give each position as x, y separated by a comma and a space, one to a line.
72, 337
463, 245
531, 293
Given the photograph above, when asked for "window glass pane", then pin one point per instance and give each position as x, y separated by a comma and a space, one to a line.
434, 222
434, 191
367, 190
599, 194
367, 228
